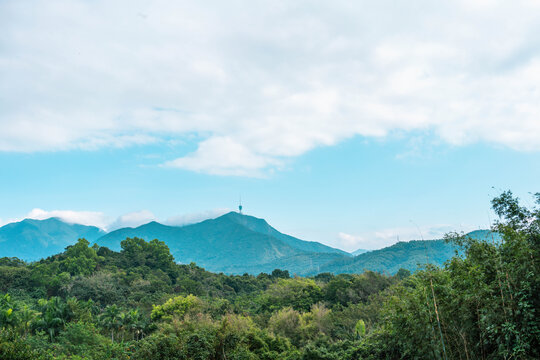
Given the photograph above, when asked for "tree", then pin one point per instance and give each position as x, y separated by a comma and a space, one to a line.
298, 293
177, 307
402, 274
110, 319
360, 328
80, 259
154, 254
280, 274
287, 322
7, 316
25, 317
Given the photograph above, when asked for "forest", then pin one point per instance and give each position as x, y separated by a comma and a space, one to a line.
90, 302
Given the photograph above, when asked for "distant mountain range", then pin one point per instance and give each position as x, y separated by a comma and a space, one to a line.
232, 243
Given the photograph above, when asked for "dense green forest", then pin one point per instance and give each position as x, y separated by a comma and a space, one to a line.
90, 302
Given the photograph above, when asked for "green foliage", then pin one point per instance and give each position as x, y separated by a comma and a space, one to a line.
80, 259
298, 293
54, 314
352, 289
177, 306
153, 254
12, 347
102, 287
286, 322
13, 277
94, 303
81, 338
110, 319
360, 328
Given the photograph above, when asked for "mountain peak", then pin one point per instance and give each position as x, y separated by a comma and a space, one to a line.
236, 214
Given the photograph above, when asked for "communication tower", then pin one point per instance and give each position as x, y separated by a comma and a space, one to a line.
240, 205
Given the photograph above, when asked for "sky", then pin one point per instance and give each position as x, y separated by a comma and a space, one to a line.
350, 123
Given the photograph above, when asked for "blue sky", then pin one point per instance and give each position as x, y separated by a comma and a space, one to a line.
359, 193
346, 124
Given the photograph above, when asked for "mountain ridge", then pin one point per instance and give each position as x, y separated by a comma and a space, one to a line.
234, 239
232, 243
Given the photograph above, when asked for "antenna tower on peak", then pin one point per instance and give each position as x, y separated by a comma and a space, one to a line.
240, 205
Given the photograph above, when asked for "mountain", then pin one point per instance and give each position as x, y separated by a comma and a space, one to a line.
35, 239
232, 243
236, 244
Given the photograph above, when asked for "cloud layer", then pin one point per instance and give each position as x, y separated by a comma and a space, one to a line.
132, 219
90, 218
261, 82
108, 223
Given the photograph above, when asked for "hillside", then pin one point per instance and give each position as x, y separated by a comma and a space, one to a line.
262, 227
35, 239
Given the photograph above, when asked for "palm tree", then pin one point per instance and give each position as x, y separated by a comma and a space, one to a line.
49, 323
53, 317
25, 316
7, 316
125, 322
110, 319
136, 325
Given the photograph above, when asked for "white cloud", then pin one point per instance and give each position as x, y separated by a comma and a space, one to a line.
223, 156
349, 242
91, 218
109, 223
192, 218
132, 219
261, 82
